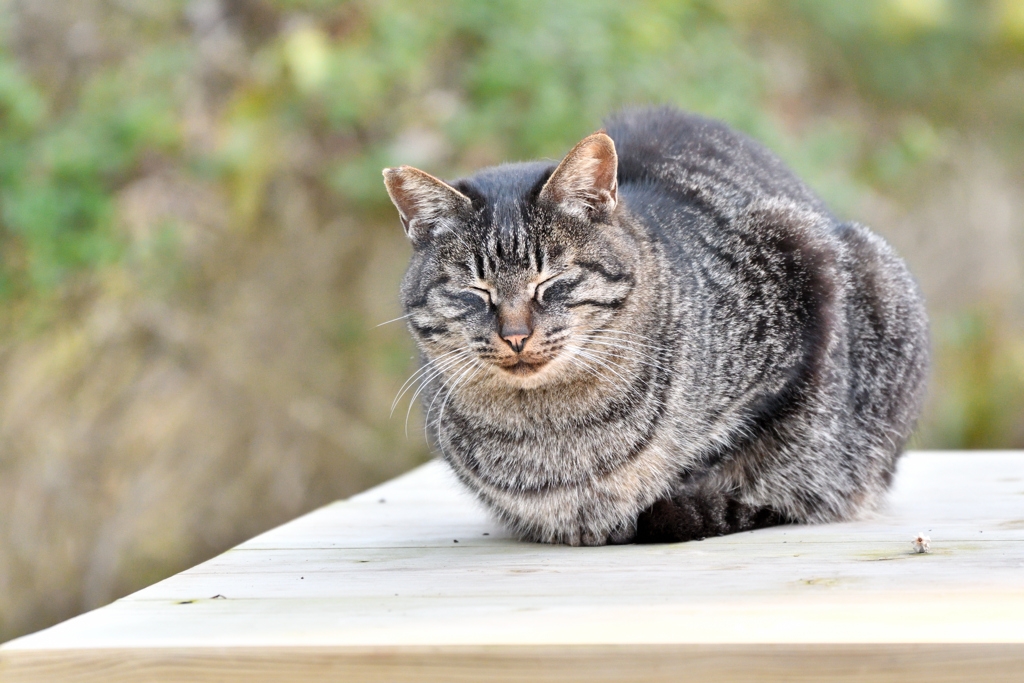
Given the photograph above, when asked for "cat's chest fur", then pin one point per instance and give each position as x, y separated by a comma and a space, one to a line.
567, 478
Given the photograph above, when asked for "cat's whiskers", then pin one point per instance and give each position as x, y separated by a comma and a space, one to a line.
449, 363
640, 349
440, 433
423, 384
444, 404
456, 375
606, 364
649, 354
438, 369
644, 358
626, 344
619, 359
401, 317
655, 346
412, 378
573, 360
612, 330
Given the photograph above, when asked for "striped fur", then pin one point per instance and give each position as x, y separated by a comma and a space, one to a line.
710, 349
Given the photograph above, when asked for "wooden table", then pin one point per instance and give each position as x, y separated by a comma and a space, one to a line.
412, 581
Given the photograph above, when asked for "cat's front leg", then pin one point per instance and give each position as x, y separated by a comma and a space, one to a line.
697, 513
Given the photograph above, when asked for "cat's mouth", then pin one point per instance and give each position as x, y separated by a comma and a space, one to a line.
523, 368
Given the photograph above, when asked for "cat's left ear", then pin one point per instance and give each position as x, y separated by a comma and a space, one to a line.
585, 182
425, 204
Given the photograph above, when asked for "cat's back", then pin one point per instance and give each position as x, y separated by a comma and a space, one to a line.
700, 159
798, 302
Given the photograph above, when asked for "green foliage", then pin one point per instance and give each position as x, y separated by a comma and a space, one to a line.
59, 169
942, 56
492, 81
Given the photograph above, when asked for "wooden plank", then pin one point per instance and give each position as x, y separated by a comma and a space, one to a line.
761, 663
413, 578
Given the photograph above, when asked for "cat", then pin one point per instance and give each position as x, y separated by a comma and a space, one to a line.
666, 336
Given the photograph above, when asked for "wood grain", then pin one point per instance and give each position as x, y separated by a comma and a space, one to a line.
412, 581
763, 663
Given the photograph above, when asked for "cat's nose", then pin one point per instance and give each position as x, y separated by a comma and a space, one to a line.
516, 341
515, 330
515, 324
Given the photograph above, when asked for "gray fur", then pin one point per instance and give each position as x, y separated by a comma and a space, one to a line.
720, 352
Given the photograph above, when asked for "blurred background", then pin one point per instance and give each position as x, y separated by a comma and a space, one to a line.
196, 247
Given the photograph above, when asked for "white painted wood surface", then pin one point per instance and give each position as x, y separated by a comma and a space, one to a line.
412, 581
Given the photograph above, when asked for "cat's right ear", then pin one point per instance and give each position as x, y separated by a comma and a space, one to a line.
585, 182
425, 204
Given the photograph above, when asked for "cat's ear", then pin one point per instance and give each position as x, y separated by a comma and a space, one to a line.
584, 183
425, 204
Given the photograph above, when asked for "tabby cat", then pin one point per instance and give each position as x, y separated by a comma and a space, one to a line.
664, 337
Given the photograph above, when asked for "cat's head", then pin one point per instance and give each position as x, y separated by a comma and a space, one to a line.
516, 269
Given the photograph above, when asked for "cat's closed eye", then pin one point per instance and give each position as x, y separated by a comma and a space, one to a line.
539, 289
471, 302
557, 288
482, 293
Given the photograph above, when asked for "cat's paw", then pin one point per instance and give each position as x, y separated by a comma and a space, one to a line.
697, 514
